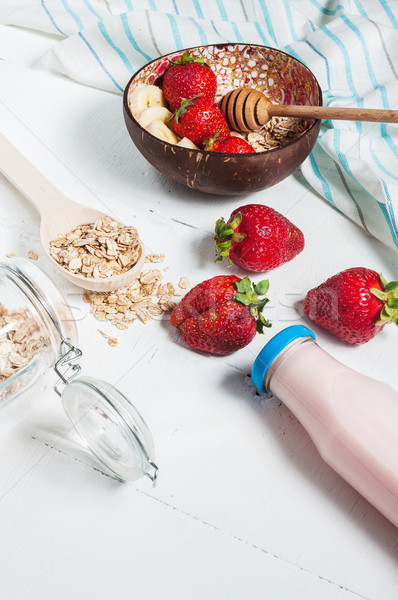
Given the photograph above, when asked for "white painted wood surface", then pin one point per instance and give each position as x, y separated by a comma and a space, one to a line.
244, 506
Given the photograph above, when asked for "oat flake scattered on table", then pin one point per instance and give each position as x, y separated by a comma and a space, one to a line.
154, 258
97, 250
111, 340
147, 297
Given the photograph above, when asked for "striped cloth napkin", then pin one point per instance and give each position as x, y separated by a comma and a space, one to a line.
350, 45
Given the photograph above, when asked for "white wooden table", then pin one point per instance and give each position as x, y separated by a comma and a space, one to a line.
244, 507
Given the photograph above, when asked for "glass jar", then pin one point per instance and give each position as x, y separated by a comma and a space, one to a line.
37, 332
351, 418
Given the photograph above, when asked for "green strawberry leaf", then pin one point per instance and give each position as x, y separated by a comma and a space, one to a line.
261, 303
226, 231
242, 298
259, 326
392, 303
248, 295
185, 104
237, 220
378, 293
186, 59
244, 285
261, 323
389, 312
238, 237
262, 287
392, 286
224, 245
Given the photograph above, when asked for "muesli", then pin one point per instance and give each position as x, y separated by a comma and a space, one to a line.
97, 250
20, 340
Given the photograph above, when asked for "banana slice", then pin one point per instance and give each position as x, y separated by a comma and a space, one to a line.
154, 113
161, 131
144, 97
186, 143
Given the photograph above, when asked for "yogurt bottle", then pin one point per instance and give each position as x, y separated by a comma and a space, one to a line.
351, 418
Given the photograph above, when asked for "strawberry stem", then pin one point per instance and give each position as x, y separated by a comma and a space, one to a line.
212, 140
248, 294
186, 59
389, 312
185, 103
225, 235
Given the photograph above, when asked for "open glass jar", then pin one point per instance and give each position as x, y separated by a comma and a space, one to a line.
38, 331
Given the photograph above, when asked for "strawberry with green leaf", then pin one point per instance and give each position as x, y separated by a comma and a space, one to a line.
257, 238
231, 145
354, 305
186, 77
198, 119
222, 314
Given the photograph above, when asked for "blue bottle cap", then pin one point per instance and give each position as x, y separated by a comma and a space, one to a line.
273, 348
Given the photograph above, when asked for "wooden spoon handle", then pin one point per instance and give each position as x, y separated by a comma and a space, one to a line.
327, 112
47, 199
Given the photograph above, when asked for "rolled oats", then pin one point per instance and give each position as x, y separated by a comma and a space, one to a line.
183, 283
33, 255
111, 341
20, 340
155, 258
97, 250
277, 132
143, 299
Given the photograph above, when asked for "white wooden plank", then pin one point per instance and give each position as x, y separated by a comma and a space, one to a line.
81, 536
243, 504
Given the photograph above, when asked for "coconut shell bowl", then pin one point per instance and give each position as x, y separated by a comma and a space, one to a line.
281, 146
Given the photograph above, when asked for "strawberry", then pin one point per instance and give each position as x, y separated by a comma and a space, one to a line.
232, 145
354, 305
257, 238
187, 77
222, 314
199, 119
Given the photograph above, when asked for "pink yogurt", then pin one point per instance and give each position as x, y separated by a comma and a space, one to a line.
351, 418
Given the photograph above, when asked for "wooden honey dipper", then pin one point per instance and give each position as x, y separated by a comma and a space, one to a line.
247, 109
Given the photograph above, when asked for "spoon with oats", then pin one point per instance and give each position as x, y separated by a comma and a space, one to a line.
90, 248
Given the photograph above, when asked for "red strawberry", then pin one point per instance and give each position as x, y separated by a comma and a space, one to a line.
233, 144
354, 305
257, 238
222, 314
187, 77
199, 119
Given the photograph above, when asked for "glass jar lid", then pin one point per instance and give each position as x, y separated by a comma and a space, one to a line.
110, 427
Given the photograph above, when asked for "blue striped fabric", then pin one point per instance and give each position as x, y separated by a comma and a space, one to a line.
351, 46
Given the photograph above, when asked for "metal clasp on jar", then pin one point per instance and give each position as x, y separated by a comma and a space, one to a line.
66, 366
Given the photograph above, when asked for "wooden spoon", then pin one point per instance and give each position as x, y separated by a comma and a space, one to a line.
58, 214
247, 109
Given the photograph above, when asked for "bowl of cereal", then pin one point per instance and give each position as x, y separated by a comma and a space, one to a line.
278, 147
